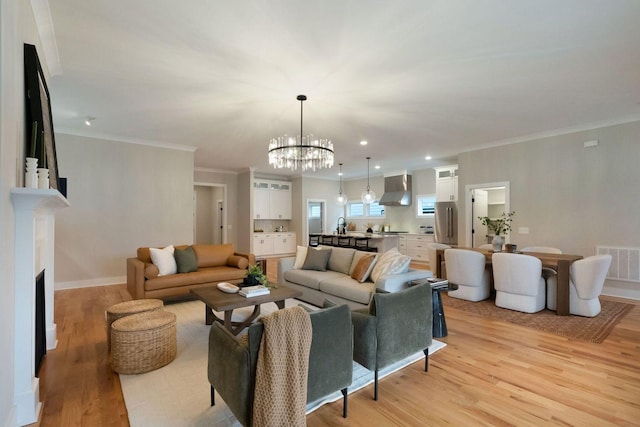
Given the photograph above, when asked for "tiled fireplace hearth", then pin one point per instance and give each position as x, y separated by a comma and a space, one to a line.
34, 251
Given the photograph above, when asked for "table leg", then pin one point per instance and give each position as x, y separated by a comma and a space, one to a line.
436, 268
280, 304
208, 315
439, 322
562, 288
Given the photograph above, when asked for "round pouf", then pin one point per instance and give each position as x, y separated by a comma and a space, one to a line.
143, 342
127, 308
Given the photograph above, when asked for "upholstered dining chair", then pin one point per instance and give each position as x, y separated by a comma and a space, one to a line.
518, 282
432, 249
467, 269
394, 326
586, 280
232, 361
546, 272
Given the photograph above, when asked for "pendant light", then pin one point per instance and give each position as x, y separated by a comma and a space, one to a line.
341, 198
368, 196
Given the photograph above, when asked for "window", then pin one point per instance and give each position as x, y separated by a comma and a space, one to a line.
314, 210
425, 205
360, 210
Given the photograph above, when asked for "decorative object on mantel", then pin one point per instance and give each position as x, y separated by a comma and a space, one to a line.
30, 174
499, 226
341, 198
368, 196
305, 153
43, 178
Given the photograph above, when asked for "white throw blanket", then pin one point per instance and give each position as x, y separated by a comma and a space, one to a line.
280, 395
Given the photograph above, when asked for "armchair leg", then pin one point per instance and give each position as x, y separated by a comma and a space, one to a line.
426, 359
213, 398
375, 385
344, 403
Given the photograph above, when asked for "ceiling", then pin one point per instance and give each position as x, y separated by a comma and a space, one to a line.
412, 77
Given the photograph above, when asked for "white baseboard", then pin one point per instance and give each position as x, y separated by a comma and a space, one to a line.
629, 292
89, 283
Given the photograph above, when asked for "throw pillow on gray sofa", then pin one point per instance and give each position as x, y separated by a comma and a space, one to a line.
316, 259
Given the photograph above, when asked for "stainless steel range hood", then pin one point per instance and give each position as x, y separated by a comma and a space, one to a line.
397, 191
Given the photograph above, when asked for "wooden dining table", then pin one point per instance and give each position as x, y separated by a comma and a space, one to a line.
561, 263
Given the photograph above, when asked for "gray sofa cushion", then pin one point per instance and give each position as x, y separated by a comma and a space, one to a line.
310, 278
340, 260
348, 288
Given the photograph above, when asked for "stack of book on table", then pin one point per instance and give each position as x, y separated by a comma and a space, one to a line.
437, 283
253, 291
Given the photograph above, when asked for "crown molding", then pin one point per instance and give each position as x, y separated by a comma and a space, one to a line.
127, 140
44, 24
212, 170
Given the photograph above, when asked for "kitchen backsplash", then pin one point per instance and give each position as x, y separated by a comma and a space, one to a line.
271, 225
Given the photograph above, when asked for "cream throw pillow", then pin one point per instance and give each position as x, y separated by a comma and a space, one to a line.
164, 260
390, 262
301, 255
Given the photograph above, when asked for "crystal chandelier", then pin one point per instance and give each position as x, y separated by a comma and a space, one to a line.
341, 198
304, 153
368, 196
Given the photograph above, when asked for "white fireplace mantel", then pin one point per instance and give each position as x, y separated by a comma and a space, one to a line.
34, 250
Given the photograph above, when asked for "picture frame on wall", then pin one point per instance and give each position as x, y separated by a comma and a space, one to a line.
39, 119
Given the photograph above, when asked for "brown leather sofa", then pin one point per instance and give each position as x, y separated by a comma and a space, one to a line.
216, 263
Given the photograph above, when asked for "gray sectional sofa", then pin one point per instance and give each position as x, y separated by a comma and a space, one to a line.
336, 282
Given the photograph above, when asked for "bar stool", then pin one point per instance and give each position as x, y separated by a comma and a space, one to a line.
314, 239
327, 239
362, 243
345, 241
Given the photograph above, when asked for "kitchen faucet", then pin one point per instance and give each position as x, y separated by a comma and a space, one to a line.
344, 223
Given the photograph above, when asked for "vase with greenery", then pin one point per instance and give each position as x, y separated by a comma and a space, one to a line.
255, 276
500, 226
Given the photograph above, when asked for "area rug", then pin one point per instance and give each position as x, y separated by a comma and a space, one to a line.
593, 329
178, 394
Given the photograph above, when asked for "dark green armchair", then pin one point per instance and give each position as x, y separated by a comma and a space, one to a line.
232, 361
393, 327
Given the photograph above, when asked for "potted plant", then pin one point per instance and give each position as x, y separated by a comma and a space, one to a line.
255, 276
499, 226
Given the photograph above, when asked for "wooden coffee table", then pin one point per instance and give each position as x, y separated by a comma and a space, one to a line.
217, 300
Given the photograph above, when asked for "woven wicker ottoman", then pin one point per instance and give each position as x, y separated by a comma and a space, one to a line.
143, 342
127, 308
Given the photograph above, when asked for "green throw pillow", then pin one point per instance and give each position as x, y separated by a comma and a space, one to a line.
317, 259
186, 260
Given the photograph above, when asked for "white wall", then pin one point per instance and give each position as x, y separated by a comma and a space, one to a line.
123, 196
569, 197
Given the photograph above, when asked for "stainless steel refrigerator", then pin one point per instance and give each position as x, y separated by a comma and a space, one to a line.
446, 221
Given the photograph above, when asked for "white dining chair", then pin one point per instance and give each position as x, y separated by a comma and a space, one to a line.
586, 281
487, 246
467, 269
546, 272
432, 249
518, 281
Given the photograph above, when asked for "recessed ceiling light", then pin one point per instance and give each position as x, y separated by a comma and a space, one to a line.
377, 166
88, 120
427, 158
363, 142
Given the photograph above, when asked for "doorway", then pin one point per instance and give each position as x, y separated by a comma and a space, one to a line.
209, 213
316, 217
489, 199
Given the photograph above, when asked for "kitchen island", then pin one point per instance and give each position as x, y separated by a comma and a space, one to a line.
375, 242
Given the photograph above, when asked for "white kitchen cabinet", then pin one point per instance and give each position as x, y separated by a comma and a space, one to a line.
280, 200
261, 200
402, 244
284, 243
263, 244
271, 199
447, 183
417, 247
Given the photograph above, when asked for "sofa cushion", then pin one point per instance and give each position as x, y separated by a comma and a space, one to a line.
348, 288
357, 257
301, 255
363, 269
340, 260
238, 261
150, 270
310, 278
316, 259
213, 255
390, 262
164, 260
203, 275
185, 260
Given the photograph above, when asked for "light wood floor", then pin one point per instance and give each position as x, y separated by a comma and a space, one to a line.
490, 373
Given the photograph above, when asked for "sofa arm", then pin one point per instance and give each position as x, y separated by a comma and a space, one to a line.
284, 265
364, 338
248, 256
396, 282
135, 278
